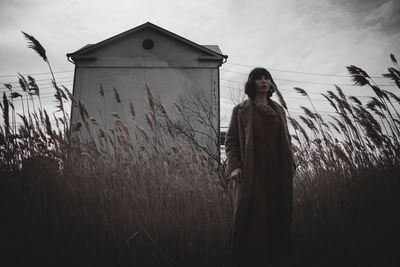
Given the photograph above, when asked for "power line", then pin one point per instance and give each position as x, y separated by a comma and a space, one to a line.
42, 96
227, 63
59, 78
41, 89
300, 111
300, 72
294, 81
30, 74
292, 97
324, 111
291, 91
285, 80
48, 94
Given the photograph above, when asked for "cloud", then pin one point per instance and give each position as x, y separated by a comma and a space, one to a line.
379, 15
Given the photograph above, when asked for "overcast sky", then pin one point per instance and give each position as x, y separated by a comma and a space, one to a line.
284, 36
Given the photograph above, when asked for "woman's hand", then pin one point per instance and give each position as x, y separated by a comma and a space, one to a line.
237, 175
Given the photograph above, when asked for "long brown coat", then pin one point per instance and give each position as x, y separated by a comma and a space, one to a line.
239, 151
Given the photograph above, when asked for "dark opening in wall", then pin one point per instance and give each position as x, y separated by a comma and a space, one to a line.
148, 44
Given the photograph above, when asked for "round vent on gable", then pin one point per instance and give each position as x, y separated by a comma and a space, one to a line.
148, 44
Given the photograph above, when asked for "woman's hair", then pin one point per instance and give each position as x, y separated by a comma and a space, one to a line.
256, 74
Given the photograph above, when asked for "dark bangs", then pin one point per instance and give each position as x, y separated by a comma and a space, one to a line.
258, 73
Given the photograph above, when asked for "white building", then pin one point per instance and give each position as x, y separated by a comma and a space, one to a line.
171, 65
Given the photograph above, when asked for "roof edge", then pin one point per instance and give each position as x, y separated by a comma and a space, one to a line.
88, 48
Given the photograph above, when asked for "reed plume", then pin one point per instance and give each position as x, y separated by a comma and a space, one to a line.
281, 99
132, 108
393, 75
6, 117
355, 100
36, 46
393, 58
359, 77
116, 94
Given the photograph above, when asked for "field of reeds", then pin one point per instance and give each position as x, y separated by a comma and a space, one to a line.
72, 196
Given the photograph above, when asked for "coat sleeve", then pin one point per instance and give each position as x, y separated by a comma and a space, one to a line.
232, 143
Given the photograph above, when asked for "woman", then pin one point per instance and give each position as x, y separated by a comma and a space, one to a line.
261, 164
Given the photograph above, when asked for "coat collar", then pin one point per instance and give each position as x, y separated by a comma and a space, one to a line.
246, 111
248, 104
245, 104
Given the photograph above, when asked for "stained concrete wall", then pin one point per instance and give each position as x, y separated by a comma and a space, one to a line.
171, 68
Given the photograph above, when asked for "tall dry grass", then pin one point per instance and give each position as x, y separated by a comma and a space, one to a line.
80, 195
109, 198
346, 204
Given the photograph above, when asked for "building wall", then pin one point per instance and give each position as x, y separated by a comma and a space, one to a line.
172, 69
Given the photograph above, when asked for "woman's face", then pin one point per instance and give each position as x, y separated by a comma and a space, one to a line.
262, 85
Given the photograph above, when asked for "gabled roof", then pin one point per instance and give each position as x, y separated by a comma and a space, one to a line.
213, 50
